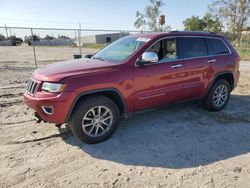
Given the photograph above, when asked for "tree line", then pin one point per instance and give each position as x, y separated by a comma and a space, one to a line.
231, 16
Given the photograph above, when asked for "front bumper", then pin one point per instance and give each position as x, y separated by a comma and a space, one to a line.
60, 103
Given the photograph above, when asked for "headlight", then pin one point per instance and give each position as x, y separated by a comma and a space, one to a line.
53, 87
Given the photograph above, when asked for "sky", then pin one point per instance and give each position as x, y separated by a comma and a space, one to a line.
93, 14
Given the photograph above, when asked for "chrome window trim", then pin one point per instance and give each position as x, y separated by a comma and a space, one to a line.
230, 52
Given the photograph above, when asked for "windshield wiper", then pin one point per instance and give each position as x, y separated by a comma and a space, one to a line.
99, 58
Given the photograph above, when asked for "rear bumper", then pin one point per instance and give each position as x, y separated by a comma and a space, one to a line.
236, 79
60, 104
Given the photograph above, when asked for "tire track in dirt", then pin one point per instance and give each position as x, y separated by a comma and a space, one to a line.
38, 139
10, 95
8, 104
13, 87
18, 122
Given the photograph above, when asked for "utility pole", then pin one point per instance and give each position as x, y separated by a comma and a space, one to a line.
75, 35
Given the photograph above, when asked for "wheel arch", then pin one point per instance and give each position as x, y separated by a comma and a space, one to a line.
227, 76
223, 75
112, 93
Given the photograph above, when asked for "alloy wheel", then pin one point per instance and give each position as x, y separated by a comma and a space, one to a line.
220, 96
97, 121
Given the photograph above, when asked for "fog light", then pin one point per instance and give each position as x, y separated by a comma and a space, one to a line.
48, 109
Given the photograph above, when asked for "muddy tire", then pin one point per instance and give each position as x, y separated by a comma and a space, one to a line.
94, 119
218, 96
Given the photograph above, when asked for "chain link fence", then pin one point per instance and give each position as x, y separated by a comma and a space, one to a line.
244, 48
39, 46
36, 47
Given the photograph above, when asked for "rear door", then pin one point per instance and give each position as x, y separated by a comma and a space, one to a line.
217, 51
198, 69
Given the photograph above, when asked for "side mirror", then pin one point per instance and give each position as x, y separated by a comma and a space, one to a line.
89, 56
149, 57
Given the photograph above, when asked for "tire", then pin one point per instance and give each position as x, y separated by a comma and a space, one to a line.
94, 119
218, 96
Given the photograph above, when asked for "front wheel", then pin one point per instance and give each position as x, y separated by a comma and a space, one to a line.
218, 95
95, 119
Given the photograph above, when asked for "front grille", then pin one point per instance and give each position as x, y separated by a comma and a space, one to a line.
31, 87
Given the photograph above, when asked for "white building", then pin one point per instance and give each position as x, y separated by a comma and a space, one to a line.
101, 38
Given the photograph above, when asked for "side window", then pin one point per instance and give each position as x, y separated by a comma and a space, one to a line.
169, 50
193, 47
216, 47
166, 50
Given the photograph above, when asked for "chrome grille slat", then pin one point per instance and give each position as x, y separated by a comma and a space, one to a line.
34, 87
31, 87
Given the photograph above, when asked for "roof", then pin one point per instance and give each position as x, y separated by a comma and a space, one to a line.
177, 33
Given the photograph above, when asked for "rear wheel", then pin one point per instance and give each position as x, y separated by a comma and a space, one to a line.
95, 119
218, 95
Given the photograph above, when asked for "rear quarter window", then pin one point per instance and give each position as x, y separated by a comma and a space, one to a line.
216, 47
192, 47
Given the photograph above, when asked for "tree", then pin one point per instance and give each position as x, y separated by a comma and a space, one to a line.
15, 40
28, 39
35, 38
235, 13
213, 23
194, 24
48, 37
207, 23
63, 37
2, 37
150, 16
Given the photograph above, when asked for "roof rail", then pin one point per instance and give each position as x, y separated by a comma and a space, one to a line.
174, 31
193, 31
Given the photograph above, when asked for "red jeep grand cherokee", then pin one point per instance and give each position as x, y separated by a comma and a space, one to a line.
134, 73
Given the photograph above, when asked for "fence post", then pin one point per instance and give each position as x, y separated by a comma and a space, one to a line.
120, 34
248, 42
79, 39
10, 32
33, 45
6, 30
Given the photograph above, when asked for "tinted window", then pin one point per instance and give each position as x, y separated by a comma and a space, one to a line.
216, 47
193, 47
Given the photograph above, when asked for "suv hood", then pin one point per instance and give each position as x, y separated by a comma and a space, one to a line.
58, 71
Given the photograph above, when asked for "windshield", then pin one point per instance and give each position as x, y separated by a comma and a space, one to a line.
121, 49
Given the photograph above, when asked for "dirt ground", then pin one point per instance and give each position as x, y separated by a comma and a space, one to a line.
178, 146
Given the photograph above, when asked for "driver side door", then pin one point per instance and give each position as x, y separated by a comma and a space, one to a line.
160, 83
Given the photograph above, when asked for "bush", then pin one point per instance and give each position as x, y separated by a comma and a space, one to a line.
2, 37
15, 40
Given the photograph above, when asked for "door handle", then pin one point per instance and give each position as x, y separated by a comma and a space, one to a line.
211, 61
176, 66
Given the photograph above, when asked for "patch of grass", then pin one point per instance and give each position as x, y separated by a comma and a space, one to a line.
94, 46
244, 53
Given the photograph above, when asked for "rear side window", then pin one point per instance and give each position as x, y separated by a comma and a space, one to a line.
216, 47
192, 47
